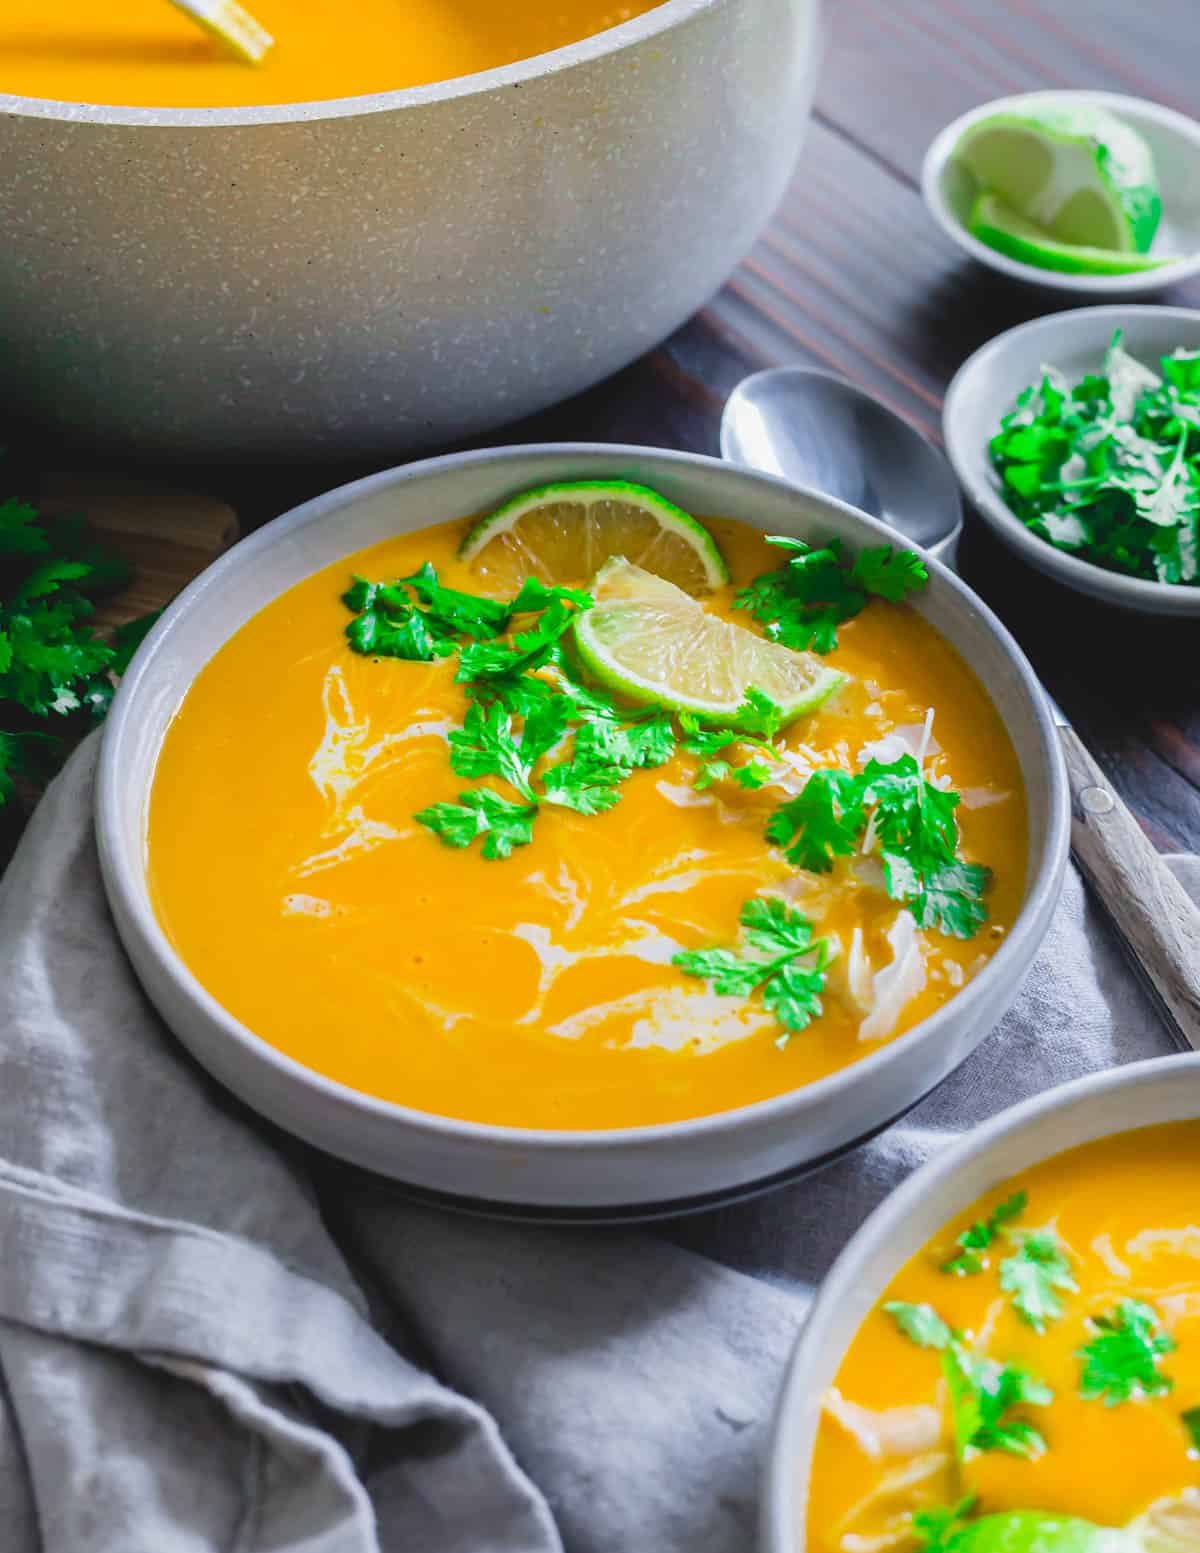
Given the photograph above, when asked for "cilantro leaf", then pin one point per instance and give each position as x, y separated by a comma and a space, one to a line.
1110, 469
386, 624
948, 896
817, 589
1191, 1422
1033, 1275
486, 745
980, 1235
889, 573
937, 1527
983, 1394
822, 822
502, 823
449, 610
921, 1324
1120, 1363
790, 965
21, 529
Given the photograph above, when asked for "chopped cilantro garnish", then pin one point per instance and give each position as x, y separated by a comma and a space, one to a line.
983, 1393
817, 589
1034, 1274
1109, 470
502, 823
822, 822
760, 718
1120, 1363
779, 955
937, 1527
909, 820
980, 1235
921, 1324
487, 745
1191, 1422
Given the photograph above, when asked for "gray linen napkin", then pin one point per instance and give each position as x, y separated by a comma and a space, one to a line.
214, 1339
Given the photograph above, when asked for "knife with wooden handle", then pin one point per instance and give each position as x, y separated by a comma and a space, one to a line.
1152, 912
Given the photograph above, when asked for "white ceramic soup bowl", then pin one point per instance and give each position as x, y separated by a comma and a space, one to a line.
390, 271
1141, 1094
646, 1170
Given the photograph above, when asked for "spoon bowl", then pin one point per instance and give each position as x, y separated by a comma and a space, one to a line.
815, 429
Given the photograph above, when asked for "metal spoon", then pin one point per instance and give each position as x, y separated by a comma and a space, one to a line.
820, 431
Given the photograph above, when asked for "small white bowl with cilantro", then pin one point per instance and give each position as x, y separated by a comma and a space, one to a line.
1077, 439
1087, 192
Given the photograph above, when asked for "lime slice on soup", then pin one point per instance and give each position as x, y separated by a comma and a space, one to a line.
1080, 173
656, 645
231, 26
1034, 1531
1001, 227
563, 533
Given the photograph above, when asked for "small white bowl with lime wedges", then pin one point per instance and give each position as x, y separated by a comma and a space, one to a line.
1088, 192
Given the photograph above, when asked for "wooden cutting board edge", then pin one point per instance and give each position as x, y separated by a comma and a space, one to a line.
169, 535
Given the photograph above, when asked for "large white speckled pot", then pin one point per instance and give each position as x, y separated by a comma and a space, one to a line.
390, 271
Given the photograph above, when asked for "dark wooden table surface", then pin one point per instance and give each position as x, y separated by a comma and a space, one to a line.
853, 276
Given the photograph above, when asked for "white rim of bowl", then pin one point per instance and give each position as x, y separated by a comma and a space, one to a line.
779, 1499
124, 878
613, 40
1132, 108
1085, 575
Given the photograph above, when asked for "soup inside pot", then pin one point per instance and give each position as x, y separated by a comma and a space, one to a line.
145, 53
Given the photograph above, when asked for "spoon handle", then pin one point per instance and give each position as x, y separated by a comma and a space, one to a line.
1149, 907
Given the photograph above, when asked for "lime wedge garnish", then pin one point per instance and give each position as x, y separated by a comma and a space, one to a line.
1077, 171
656, 645
231, 25
1001, 227
563, 533
1033, 1531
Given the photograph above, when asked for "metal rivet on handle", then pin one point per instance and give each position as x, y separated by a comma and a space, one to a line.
1096, 800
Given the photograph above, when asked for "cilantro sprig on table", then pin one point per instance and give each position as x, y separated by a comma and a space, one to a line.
56, 673
1121, 1361
1109, 469
778, 956
983, 1391
817, 589
894, 809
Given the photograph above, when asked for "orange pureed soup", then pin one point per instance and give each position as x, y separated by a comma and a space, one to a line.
145, 53
1086, 1285
538, 990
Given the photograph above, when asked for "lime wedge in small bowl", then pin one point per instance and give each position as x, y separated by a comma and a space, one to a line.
1089, 170
563, 533
1000, 226
653, 643
1078, 171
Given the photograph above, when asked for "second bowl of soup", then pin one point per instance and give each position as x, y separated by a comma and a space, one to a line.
642, 839
1006, 1358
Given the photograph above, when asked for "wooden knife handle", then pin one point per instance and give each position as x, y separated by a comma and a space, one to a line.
1150, 908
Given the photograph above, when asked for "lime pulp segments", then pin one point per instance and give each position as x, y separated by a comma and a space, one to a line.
563, 533
1077, 171
653, 643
